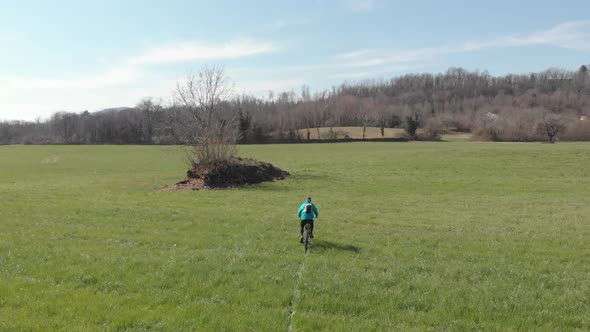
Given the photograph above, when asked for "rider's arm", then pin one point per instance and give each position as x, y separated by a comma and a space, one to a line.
315, 210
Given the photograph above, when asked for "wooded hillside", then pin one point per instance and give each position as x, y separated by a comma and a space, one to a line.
553, 104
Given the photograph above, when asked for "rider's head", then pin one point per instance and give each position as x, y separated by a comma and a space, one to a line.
308, 198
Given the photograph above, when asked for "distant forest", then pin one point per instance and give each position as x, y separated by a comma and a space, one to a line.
552, 104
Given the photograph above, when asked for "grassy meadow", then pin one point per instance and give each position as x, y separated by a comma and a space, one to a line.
411, 236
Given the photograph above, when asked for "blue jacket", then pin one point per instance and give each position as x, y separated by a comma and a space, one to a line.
307, 216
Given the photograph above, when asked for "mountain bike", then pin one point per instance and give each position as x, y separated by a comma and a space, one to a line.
306, 236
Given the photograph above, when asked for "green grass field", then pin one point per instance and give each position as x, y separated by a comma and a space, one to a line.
411, 236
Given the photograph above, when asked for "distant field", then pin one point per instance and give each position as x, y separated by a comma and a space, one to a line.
353, 132
374, 132
411, 236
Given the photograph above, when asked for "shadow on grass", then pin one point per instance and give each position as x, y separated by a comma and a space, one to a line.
308, 176
323, 245
267, 185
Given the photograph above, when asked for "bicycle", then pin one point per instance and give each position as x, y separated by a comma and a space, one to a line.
306, 236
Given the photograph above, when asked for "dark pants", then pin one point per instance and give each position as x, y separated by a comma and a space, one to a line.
303, 222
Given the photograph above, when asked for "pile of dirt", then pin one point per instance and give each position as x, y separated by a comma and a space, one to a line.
230, 173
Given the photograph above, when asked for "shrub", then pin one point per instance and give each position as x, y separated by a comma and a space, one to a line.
433, 130
551, 125
331, 134
411, 125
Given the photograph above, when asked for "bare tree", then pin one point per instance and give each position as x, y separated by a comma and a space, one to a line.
550, 125
201, 94
148, 109
580, 81
66, 126
200, 97
365, 117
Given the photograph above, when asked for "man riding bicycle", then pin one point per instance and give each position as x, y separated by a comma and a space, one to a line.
306, 213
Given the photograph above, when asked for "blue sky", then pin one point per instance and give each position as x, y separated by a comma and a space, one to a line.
78, 55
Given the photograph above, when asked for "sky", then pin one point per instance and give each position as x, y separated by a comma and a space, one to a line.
90, 55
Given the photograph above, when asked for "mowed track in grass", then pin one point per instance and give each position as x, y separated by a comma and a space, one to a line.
412, 236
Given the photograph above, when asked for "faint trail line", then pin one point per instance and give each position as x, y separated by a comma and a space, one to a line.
296, 293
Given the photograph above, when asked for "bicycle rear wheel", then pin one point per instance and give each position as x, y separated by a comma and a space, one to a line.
306, 236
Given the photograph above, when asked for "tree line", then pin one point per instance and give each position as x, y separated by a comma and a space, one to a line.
552, 104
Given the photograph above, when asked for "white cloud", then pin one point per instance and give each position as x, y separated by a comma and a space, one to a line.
121, 85
375, 73
199, 51
110, 77
261, 88
355, 54
26, 98
135, 68
571, 35
26, 103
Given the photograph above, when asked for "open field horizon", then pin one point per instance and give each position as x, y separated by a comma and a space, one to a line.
411, 236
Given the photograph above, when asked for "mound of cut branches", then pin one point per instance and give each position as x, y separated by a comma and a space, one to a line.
232, 172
